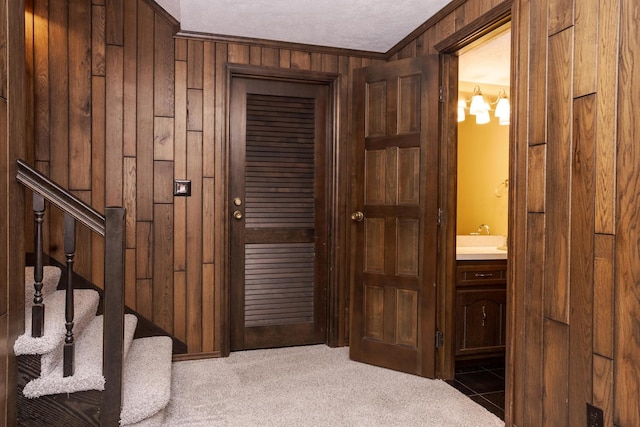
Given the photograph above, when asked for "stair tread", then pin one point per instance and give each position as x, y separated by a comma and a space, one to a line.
146, 379
85, 307
88, 366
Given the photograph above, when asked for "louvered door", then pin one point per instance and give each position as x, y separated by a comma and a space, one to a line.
278, 213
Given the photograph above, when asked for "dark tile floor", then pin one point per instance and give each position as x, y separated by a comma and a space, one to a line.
483, 383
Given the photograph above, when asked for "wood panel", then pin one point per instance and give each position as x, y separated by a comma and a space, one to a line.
558, 173
555, 373
627, 253
582, 253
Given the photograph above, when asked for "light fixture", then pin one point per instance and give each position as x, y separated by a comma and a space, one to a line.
482, 118
503, 109
461, 106
477, 102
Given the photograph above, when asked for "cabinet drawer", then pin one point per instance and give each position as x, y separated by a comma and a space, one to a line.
476, 273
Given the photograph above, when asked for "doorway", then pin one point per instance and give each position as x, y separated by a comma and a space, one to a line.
482, 213
279, 135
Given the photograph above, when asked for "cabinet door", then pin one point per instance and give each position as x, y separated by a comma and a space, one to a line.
480, 325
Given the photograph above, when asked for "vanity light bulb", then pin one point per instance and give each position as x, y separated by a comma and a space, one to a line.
477, 104
461, 115
483, 117
502, 109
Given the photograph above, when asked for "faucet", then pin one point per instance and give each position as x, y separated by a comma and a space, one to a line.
485, 227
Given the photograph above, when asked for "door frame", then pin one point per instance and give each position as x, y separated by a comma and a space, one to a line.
336, 280
505, 12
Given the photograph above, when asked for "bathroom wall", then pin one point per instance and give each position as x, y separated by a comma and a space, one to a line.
483, 167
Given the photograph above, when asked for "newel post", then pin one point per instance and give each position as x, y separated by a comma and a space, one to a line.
113, 350
37, 311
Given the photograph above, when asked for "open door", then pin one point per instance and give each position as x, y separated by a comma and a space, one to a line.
395, 218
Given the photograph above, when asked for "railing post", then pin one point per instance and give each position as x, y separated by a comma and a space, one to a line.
69, 251
113, 350
37, 311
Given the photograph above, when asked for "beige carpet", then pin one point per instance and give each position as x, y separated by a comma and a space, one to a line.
311, 386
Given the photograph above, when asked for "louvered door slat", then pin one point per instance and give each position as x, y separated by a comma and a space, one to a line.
279, 193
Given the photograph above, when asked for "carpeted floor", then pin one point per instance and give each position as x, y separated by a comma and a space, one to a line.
312, 386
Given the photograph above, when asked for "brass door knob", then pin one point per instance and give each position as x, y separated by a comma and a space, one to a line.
237, 215
357, 216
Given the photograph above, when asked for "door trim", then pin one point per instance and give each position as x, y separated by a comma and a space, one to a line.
503, 13
337, 281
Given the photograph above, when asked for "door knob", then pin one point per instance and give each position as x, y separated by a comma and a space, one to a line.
237, 215
357, 216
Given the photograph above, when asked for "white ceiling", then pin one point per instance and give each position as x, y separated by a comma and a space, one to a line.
369, 25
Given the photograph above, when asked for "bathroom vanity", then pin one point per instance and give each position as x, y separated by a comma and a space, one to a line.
481, 278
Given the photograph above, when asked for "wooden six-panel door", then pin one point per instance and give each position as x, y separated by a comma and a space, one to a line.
395, 196
278, 213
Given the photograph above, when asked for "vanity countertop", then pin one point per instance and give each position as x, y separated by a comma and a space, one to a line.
480, 247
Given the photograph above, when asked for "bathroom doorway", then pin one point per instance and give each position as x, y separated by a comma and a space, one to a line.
482, 212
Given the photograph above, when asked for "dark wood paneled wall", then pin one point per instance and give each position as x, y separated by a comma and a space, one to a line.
144, 108
574, 252
12, 147
121, 108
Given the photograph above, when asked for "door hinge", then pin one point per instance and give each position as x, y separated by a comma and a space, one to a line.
441, 93
439, 339
439, 220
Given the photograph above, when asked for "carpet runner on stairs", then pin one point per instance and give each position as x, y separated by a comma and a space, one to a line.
147, 366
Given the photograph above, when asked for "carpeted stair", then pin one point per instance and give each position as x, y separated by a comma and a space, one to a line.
147, 361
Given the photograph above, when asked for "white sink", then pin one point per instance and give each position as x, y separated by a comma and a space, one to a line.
480, 247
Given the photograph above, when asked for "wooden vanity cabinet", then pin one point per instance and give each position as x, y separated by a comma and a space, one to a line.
481, 298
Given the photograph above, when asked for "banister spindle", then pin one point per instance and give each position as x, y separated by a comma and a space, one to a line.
69, 251
37, 311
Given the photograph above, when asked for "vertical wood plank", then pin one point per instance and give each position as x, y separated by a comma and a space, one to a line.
144, 250
129, 200
208, 307
114, 126
115, 22
98, 43
536, 180
208, 220
255, 55
558, 177
98, 143
556, 368
180, 121
130, 278
144, 137
608, 24
316, 61
180, 305
238, 53
162, 183
581, 261
194, 243
194, 112
162, 266
163, 80
603, 295
270, 57
163, 148
208, 110
300, 60
627, 252
144, 297
59, 93
603, 387
130, 78
180, 49
285, 58
180, 234
41, 77
329, 63
537, 73
560, 15
195, 64
586, 47
533, 319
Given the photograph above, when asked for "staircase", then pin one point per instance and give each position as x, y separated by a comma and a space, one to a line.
78, 361
47, 397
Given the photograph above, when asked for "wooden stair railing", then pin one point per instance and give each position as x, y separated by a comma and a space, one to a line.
111, 226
